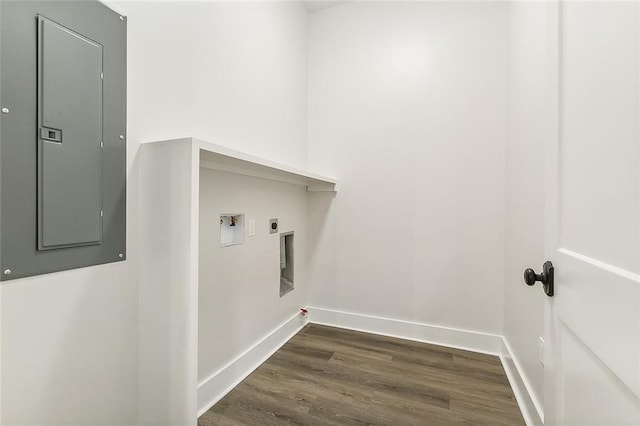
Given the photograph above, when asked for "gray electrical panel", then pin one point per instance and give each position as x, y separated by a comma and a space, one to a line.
62, 136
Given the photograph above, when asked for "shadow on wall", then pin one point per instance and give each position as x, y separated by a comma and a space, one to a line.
321, 234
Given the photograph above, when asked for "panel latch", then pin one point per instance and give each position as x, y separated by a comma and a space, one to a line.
51, 135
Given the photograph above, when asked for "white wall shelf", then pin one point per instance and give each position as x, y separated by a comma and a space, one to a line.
218, 157
169, 256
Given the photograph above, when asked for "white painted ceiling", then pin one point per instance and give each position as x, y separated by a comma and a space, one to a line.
316, 5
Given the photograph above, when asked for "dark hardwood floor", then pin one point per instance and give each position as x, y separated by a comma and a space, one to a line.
331, 376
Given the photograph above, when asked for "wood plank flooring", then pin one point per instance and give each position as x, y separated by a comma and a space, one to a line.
331, 376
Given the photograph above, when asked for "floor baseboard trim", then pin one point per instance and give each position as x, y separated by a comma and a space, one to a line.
529, 405
425, 333
217, 385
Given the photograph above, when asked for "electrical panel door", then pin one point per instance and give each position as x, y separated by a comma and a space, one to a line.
70, 151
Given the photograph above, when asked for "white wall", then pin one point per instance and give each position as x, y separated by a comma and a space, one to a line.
235, 73
69, 349
239, 286
407, 107
229, 72
524, 306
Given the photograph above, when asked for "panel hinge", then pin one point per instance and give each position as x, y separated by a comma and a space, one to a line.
102, 75
101, 144
101, 213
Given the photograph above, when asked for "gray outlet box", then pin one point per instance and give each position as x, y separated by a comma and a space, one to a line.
62, 136
273, 226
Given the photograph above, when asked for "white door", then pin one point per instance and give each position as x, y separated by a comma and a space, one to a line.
592, 356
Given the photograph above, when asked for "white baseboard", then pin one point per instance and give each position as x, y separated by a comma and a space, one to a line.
444, 336
213, 388
529, 405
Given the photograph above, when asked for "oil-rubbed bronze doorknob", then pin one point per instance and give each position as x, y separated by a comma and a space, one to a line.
546, 277
530, 276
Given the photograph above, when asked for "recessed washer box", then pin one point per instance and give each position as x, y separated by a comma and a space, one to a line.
62, 136
231, 229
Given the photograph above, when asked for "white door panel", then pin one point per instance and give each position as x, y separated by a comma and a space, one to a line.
598, 141
592, 370
601, 308
591, 393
